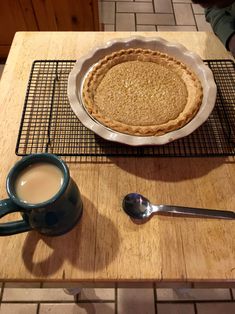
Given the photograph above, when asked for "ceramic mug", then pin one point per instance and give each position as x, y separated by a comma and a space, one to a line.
52, 217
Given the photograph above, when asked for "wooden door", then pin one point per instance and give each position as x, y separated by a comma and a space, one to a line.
15, 15
66, 15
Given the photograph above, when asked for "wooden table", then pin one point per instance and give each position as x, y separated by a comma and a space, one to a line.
106, 246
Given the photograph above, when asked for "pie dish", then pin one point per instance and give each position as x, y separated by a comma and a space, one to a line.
86, 63
142, 92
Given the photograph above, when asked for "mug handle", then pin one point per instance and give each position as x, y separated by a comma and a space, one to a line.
14, 227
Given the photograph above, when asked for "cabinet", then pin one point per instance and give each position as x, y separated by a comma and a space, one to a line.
45, 15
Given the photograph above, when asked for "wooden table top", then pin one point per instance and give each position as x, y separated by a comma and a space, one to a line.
106, 245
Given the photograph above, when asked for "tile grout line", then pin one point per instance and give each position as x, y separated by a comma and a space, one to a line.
195, 21
159, 13
59, 302
116, 299
3, 283
76, 298
155, 297
38, 308
113, 301
197, 301
40, 301
173, 12
193, 302
90, 301
154, 8
231, 293
1, 295
115, 17
162, 25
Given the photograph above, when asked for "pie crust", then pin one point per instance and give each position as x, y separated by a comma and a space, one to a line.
142, 92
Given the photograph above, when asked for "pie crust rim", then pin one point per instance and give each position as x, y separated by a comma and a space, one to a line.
96, 75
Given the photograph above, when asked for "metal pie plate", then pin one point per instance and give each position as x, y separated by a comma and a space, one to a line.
85, 64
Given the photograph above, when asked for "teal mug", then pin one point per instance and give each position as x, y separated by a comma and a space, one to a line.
41, 189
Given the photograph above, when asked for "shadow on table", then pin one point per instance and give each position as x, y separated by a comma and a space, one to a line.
169, 169
85, 247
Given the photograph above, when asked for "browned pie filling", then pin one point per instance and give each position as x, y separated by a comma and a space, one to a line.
142, 92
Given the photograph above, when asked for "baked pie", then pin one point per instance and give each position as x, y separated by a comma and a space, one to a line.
142, 92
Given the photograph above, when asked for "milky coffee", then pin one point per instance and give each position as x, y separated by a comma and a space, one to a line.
38, 182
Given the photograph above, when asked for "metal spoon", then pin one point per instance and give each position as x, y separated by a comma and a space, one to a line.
138, 207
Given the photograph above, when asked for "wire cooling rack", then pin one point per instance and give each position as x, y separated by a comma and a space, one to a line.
49, 125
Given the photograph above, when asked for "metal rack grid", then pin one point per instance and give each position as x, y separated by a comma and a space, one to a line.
49, 125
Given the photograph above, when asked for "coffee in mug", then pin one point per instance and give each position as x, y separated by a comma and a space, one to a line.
38, 182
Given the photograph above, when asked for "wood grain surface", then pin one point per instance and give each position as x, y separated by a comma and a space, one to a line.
66, 15
106, 245
50, 15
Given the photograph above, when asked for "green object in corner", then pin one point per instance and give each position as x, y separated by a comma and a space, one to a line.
222, 22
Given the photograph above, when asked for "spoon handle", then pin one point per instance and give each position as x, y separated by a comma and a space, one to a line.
190, 211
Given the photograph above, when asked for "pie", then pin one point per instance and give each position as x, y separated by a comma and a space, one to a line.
142, 92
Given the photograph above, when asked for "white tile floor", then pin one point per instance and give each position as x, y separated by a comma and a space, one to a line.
152, 15
21, 299
38, 298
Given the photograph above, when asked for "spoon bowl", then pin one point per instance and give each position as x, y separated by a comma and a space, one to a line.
137, 206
